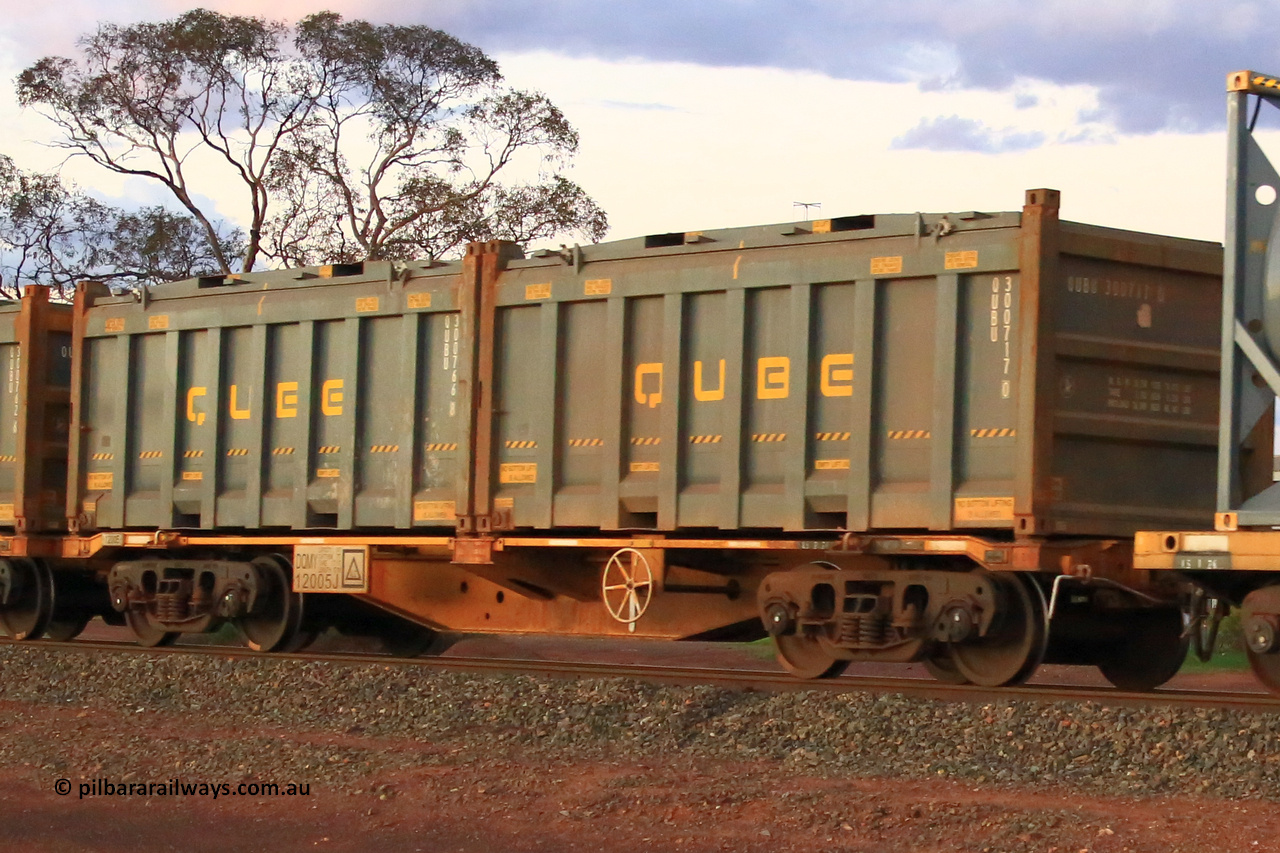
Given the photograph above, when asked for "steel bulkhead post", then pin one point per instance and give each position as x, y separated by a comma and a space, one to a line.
670, 453
26, 487
861, 447
942, 443
735, 422
795, 466
83, 299
1038, 265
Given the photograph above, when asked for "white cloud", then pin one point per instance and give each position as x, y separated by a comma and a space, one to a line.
954, 133
739, 146
679, 145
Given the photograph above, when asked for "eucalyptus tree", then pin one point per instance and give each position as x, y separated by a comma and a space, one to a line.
57, 235
346, 140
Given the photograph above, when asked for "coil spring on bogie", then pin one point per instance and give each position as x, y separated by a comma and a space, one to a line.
873, 629
171, 608
171, 601
863, 630
850, 631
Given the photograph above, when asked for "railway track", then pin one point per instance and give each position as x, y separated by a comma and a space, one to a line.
740, 679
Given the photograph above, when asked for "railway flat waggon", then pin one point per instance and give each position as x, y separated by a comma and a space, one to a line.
878, 437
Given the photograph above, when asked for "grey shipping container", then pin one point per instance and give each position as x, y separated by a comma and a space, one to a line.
969, 371
324, 398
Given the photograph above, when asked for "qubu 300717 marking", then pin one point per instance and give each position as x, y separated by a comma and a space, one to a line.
1002, 327
1118, 288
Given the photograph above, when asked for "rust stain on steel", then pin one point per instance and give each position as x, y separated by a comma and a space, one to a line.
39, 380
482, 269
1038, 261
474, 594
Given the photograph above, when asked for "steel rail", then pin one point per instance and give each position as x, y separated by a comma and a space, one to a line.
741, 679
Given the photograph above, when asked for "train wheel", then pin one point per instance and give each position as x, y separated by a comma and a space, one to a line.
406, 639
64, 628
1150, 652
805, 657
1267, 668
1015, 645
1260, 619
26, 598
276, 618
145, 633
301, 640
943, 668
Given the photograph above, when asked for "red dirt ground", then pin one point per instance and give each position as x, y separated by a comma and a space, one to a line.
513, 805
516, 802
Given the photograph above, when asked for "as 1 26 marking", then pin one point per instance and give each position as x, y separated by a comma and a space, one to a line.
1202, 562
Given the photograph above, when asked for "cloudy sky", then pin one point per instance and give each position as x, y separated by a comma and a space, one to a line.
727, 112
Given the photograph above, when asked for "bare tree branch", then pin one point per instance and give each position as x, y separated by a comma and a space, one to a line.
347, 140
57, 235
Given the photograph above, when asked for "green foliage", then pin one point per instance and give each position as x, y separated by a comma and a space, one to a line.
350, 140
1229, 654
56, 235
142, 99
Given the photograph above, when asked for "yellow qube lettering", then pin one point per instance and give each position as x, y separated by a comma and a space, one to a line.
236, 412
773, 378
703, 395
837, 375
651, 398
195, 417
331, 397
287, 400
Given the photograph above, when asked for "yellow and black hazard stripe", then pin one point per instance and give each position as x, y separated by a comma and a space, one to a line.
385, 448
238, 451
995, 432
902, 434
705, 439
151, 454
769, 436
282, 451
521, 445
329, 448
645, 442
97, 457
586, 442
192, 454
448, 445
831, 436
